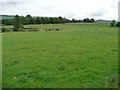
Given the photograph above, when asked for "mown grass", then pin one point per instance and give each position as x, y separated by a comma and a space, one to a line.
0, 61
78, 55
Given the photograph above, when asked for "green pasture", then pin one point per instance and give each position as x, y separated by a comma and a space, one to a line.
75, 56
0, 60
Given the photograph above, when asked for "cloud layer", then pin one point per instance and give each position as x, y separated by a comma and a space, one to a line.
78, 9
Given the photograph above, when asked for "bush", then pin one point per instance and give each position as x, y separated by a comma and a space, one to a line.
118, 24
3, 29
20, 29
112, 23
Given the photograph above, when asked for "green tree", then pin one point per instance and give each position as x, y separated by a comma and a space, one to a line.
60, 19
118, 24
30, 20
42, 20
37, 20
86, 20
47, 20
65, 20
92, 20
79, 20
17, 23
24, 20
73, 20
112, 23
51, 20
7, 21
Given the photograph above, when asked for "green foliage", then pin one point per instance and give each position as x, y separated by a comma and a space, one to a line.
37, 20
17, 23
3, 29
73, 20
7, 21
28, 19
88, 20
92, 20
24, 20
112, 23
76, 56
118, 24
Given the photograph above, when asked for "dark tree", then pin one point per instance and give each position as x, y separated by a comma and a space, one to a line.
47, 21
118, 24
42, 20
92, 20
79, 20
73, 20
24, 20
51, 20
7, 21
17, 23
60, 19
112, 23
65, 20
30, 20
56, 20
37, 20
86, 20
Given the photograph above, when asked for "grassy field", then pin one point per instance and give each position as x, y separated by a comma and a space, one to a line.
78, 55
0, 60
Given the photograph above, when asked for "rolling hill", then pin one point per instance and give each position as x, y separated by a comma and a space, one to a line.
7, 16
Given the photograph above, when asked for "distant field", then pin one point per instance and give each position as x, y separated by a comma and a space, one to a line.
78, 55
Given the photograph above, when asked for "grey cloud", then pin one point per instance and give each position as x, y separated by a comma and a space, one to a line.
98, 13
58, 8
48, 8
11, 3
114, 6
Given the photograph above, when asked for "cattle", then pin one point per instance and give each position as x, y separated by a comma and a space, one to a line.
52, 29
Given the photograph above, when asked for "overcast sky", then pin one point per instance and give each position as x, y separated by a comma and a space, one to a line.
78, 9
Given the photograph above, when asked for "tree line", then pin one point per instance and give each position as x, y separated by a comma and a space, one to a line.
28, 19
114, 23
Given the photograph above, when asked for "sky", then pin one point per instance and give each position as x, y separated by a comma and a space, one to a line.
77, 9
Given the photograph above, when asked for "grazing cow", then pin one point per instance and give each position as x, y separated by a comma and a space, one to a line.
49, 29
57, 29
61, 29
